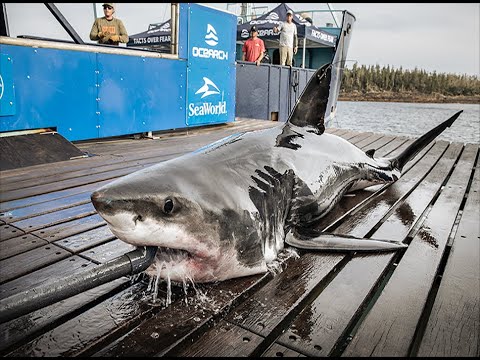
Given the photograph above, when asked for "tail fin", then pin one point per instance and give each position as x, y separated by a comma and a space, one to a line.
417, 146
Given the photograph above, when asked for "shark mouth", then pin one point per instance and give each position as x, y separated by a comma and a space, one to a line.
173, 255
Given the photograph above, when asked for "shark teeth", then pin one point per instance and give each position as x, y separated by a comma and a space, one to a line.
170, 254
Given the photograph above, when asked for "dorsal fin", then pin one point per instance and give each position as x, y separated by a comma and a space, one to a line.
311, 107
370, 153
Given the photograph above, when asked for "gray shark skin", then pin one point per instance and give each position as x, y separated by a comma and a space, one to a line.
228, 209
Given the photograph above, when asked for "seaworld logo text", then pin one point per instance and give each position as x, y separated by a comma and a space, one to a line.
208, 88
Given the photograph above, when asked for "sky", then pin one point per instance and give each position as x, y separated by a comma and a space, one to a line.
441, 37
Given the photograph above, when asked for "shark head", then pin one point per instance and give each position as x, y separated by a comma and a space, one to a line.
197, 233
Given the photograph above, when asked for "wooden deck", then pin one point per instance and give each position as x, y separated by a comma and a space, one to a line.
423, 301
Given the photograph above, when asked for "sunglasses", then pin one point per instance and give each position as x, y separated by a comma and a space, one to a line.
107, 7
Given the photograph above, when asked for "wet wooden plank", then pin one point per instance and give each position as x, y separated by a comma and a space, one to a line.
321, 324
72, 336
178, 325
108, 251
93, 168
20, 244
389, 328
268, 308
453, 328
66, 184
380, 205
17, 332
9, 231
60, 231
60, 195
56, 217
277, 350
223, 340
46, 207
67, 266
26, 262
86, 240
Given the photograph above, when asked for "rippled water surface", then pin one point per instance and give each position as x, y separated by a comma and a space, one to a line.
409, 119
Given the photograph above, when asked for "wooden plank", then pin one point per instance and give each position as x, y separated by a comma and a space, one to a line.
375, 209
46, 207
20, 244
9, 231
70, 337
176, 326
453, 326
67, 266
277, 350
65, 184
56, 217
368, 140
330, 313
401, 221
86, 240
108, 251
224, 339
389, 327
8, 206
268, 308
18, 331
60, 231
26, 262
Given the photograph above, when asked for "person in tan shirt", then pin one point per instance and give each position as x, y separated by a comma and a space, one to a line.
107, 29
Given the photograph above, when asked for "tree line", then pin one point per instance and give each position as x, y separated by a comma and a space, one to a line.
375, 78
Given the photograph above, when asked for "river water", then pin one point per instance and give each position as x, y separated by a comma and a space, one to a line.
409, 119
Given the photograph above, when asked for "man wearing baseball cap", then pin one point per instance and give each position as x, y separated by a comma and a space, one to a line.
107, 29
288, 39
254, 48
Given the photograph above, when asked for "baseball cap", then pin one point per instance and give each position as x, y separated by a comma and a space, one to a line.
253, 28
109, 4
290, 12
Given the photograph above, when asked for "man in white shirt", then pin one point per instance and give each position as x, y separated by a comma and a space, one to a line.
288, 39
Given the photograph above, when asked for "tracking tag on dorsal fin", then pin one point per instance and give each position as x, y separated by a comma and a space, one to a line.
317, 240
370, 153
311, 107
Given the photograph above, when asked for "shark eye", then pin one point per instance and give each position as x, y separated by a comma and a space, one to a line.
168, 206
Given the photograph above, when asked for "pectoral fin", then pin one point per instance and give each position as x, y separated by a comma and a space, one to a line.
317, 240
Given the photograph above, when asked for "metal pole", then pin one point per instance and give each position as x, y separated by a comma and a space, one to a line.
95, 11
66, 25
303, 56
333, 15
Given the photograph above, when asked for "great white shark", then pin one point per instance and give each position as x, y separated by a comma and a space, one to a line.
228, 209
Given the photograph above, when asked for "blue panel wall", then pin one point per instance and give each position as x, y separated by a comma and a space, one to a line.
8, 105
54, 88
140, 94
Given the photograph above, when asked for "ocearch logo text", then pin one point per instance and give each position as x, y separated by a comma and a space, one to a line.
207, 108
211, 39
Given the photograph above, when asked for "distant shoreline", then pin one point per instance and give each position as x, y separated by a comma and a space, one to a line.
389, 96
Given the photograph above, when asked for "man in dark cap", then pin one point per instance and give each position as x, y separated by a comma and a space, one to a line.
254, 48
107, 29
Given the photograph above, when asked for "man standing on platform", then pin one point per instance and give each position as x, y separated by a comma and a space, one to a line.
254, 48
288, 39
107, 29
